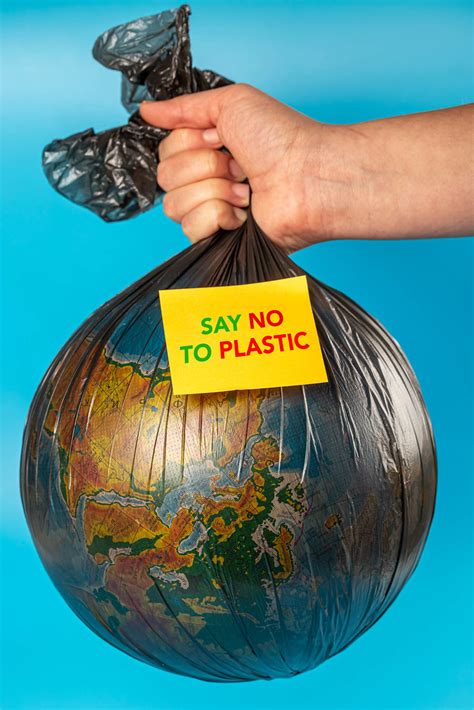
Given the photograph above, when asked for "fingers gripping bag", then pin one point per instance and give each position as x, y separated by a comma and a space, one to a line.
233, 535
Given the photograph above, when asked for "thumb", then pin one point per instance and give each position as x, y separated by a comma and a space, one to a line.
199, 110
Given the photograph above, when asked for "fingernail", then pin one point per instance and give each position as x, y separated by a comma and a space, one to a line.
240, 214
241, 190
210, 135
235, 170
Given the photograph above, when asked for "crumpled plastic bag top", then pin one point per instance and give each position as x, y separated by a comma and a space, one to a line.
113, 173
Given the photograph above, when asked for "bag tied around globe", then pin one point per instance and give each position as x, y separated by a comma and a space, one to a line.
233, 535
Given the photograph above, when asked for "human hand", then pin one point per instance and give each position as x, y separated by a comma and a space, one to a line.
403, 177
270, 144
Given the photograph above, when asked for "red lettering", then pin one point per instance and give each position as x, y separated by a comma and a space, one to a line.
253, 318
253, 347
268, 345
265, 345
279, 337
225, 347
237, 351
274, 318
297, 341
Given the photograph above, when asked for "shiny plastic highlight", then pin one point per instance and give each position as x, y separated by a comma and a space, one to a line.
234, 536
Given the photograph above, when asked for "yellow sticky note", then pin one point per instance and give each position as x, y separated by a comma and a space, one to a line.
241, 337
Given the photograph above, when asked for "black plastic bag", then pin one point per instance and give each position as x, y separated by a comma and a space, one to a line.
232, 536
113, 173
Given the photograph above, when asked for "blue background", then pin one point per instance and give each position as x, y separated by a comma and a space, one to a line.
338, 62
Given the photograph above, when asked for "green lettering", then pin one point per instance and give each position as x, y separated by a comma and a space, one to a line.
207, 327
186, 349
207, 352
235, 320
221, 325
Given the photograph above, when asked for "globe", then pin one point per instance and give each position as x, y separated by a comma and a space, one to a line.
233, 536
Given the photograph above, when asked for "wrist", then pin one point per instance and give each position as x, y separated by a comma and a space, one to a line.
340, 185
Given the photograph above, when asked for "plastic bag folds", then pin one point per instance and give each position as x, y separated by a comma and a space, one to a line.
231, 536
113, 173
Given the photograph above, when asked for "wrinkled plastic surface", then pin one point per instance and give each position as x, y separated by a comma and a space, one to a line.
231, 536
113, 173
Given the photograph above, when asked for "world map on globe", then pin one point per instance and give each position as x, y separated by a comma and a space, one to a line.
230, 536
170, 519
233, 536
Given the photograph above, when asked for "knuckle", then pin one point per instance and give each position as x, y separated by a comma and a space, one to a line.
181, 138
240, 90
186, 226
213, 162
180, 113
217, 188
175, 142
168, 205
218, 209
163, 147
161, 176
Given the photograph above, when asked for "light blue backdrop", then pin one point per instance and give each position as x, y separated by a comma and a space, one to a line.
336, 61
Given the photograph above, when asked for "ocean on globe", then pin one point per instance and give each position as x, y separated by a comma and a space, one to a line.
234, 536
